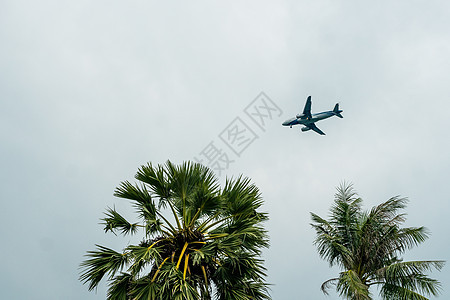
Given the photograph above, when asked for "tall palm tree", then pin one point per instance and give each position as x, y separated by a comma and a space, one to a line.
200, 241
367, 246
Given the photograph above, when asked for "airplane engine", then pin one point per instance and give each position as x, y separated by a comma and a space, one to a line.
305, 129
299, 116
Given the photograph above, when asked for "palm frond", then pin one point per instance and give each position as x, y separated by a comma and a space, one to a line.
156, 178
103, 261
350, 285
388, 209
242, 197
344, 216
410, 275
133, 192
144, 289
411, 236
140, 256
119, 288
327, 284
395, 292
115, 221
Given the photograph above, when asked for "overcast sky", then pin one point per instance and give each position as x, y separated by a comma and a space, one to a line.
91, 90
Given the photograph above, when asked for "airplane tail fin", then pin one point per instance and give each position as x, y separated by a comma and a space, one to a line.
337, 111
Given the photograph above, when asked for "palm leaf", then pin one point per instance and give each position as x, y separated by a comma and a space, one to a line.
120, 287
115, 221
350, 285
103, 261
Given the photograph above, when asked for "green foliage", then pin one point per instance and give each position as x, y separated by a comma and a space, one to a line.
368, 246
114, 221
209, 249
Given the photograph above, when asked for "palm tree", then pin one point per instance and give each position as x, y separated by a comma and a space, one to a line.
367, 246
200, 241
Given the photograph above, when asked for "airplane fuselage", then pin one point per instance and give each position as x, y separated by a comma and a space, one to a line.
314, 118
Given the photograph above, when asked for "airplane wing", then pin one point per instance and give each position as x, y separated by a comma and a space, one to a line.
307, 109
314, 127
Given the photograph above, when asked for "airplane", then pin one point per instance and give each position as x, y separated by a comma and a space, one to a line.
307, 119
